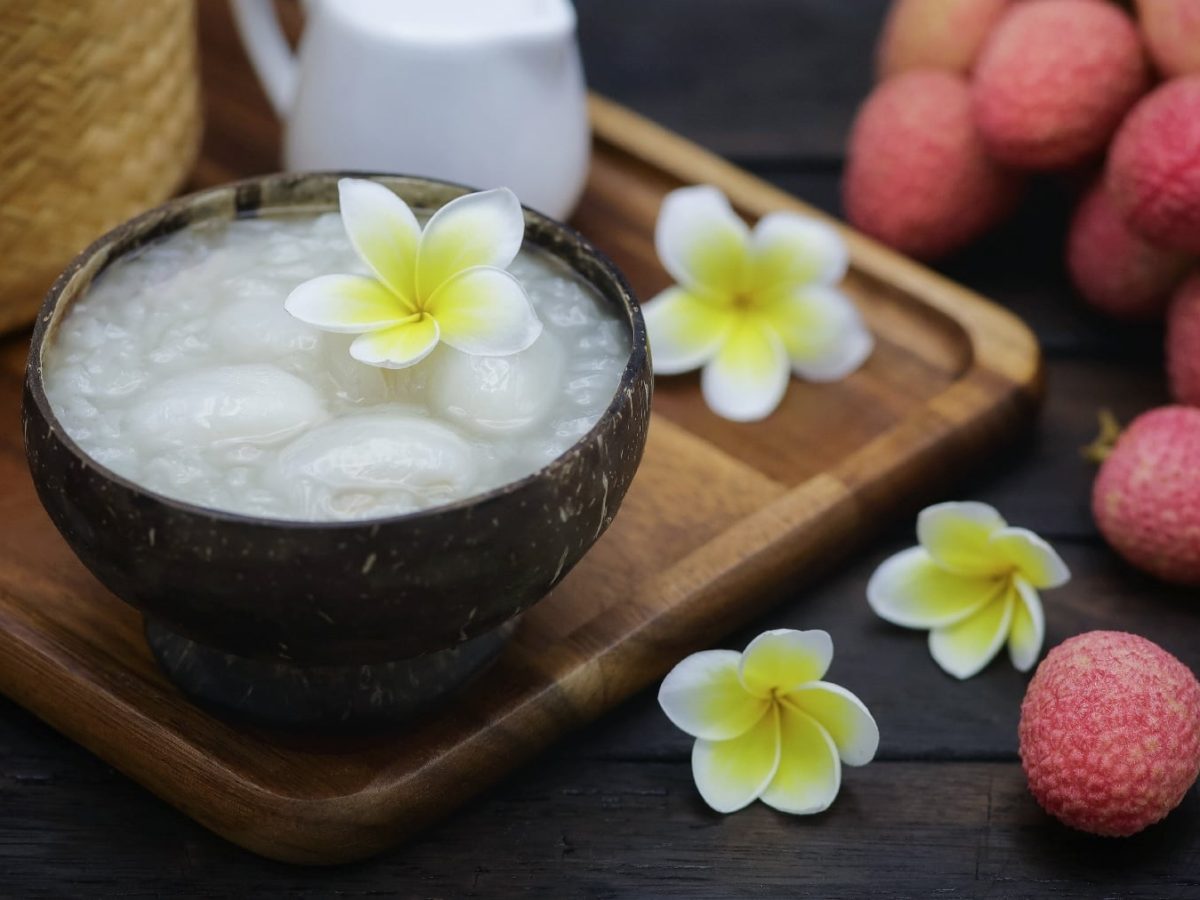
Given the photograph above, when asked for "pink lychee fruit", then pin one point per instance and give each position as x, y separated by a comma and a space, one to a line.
1110, 732
1154, 165
1055, 79
917, 176
935, 34
1116, 270
1171, 29
1183, 343
1146, 497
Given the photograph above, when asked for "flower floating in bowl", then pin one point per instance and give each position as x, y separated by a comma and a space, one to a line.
750, 308
448, 282
766, 726
973, 582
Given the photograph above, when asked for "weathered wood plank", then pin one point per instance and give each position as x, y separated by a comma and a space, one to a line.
601, 829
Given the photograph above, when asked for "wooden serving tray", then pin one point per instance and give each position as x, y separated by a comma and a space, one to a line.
720, 518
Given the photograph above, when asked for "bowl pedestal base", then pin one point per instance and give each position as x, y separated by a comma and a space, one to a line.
280, 694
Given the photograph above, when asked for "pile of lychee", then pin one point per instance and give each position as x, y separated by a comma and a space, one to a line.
977, 98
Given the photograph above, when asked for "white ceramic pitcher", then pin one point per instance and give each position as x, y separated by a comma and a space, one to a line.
483, 92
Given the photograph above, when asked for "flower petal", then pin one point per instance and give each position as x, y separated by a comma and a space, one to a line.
1028, 630
383, 231
485, 312
788, 250
685, 330
825, 337
483, 229
748, 377
704, 697
809, 774
701, 241
350, 304
1035, 559
783, 658
911, 590
843, 716
397, 347
731, 774
957, 536
965, 648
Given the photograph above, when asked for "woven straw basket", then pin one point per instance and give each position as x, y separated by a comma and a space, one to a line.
99, 119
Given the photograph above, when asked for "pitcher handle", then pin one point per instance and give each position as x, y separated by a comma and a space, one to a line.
269, 52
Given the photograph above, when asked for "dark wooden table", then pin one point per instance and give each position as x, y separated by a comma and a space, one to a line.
944, 811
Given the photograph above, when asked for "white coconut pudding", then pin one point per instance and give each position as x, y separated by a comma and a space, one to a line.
182, 371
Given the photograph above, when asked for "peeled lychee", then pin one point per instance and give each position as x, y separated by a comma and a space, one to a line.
1146, 497
1172, 32
1110, 733
1154, 165
1054, 80
1115, 269
935, 34
1183, 343
917, 176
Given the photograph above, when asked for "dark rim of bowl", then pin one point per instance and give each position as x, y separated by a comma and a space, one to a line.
169, 216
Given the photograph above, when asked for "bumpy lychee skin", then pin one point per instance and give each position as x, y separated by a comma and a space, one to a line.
1171, 29
1110, 733
1146, 497
917, 176
935, 34
1054, 80
1154, 165
1115, 269
1183, 343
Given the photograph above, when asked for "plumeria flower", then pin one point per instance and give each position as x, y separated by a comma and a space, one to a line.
973, 582
750, 307
448, 282
766, 727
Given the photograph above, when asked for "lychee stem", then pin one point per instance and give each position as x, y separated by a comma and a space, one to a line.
1110, 429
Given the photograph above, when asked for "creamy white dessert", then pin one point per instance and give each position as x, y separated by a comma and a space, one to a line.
181, 371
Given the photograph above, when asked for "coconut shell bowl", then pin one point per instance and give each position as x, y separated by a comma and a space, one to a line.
332, 624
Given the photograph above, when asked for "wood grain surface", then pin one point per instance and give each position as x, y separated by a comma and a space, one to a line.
612, 812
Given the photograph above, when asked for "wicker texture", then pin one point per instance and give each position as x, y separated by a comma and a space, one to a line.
99, 119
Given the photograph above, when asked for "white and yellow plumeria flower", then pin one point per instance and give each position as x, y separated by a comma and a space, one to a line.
448, 282
766, 727
750, 307
973, 582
